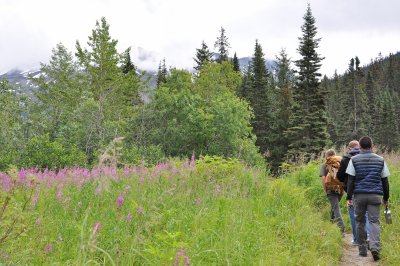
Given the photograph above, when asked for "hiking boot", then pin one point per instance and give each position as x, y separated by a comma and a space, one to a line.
362, 250
354, 243
375, 255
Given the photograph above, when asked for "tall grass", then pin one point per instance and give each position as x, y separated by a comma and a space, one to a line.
208, 212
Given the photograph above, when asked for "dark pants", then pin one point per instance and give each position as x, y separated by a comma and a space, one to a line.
372, 204
336, 216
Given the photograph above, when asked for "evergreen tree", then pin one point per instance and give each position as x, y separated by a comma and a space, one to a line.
203, 56
235, 63
247, 83
127, 65
284, 82
255, 90
162, 73
308, 132
222, 46
387, 123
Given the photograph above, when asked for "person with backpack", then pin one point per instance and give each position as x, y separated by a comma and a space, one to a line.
332, 186
367, 185
353, 149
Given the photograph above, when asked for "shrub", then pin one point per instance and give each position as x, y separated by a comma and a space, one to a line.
45, 153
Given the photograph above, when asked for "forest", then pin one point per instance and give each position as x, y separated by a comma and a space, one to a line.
86, 99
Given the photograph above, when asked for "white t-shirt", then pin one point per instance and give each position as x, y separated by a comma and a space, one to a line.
351, 171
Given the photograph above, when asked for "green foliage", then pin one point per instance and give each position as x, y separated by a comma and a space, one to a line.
256, 90
162, 73
308, 134
11, 123
390, 233
44, 153
235, 63
203, 56
205, 117
214, 212
149, 155
364, 101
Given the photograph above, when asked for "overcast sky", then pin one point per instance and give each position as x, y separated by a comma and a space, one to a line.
173, 29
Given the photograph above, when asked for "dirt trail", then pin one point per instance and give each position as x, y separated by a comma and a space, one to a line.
351, 257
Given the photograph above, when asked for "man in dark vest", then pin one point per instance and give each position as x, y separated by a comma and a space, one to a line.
368, 181
353, 149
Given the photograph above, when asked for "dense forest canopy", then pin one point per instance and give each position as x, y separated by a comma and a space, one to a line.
87, 98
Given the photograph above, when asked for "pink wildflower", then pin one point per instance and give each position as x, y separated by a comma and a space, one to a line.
96, 228
192, 161
179, 254
129, 218
140, 210
49, 248
187, 261
120, 201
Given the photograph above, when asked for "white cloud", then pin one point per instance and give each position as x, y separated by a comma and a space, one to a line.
175, 28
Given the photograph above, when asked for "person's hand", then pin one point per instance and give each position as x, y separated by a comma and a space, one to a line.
386, 203
349, 203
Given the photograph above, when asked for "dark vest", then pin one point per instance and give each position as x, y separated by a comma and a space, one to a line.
368, 168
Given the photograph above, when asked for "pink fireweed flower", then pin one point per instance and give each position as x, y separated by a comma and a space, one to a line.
35, 199
187, 261
192, 161
140, 210
129, 218
179, 254
96, 228
49, 248
120, 201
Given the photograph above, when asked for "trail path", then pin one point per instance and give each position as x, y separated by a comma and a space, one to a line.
351, 257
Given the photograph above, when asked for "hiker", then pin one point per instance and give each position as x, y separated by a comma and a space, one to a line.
368, 181
333, 190
353, 149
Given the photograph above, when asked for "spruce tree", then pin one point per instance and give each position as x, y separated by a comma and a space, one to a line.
203, 56
127, 65
162, 73
284, 82
255, 90
247, 83
308, 132
235, 63
222, 46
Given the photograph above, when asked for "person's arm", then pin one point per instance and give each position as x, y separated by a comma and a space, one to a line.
341, 174
385, 185
351, 172
322, 174
323, 179
350, 187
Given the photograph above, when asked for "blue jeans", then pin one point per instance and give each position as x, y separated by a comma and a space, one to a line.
353, 223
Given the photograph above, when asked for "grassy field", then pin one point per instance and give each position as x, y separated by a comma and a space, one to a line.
208, 212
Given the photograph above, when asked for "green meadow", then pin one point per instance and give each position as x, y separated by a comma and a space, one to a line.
212, 211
